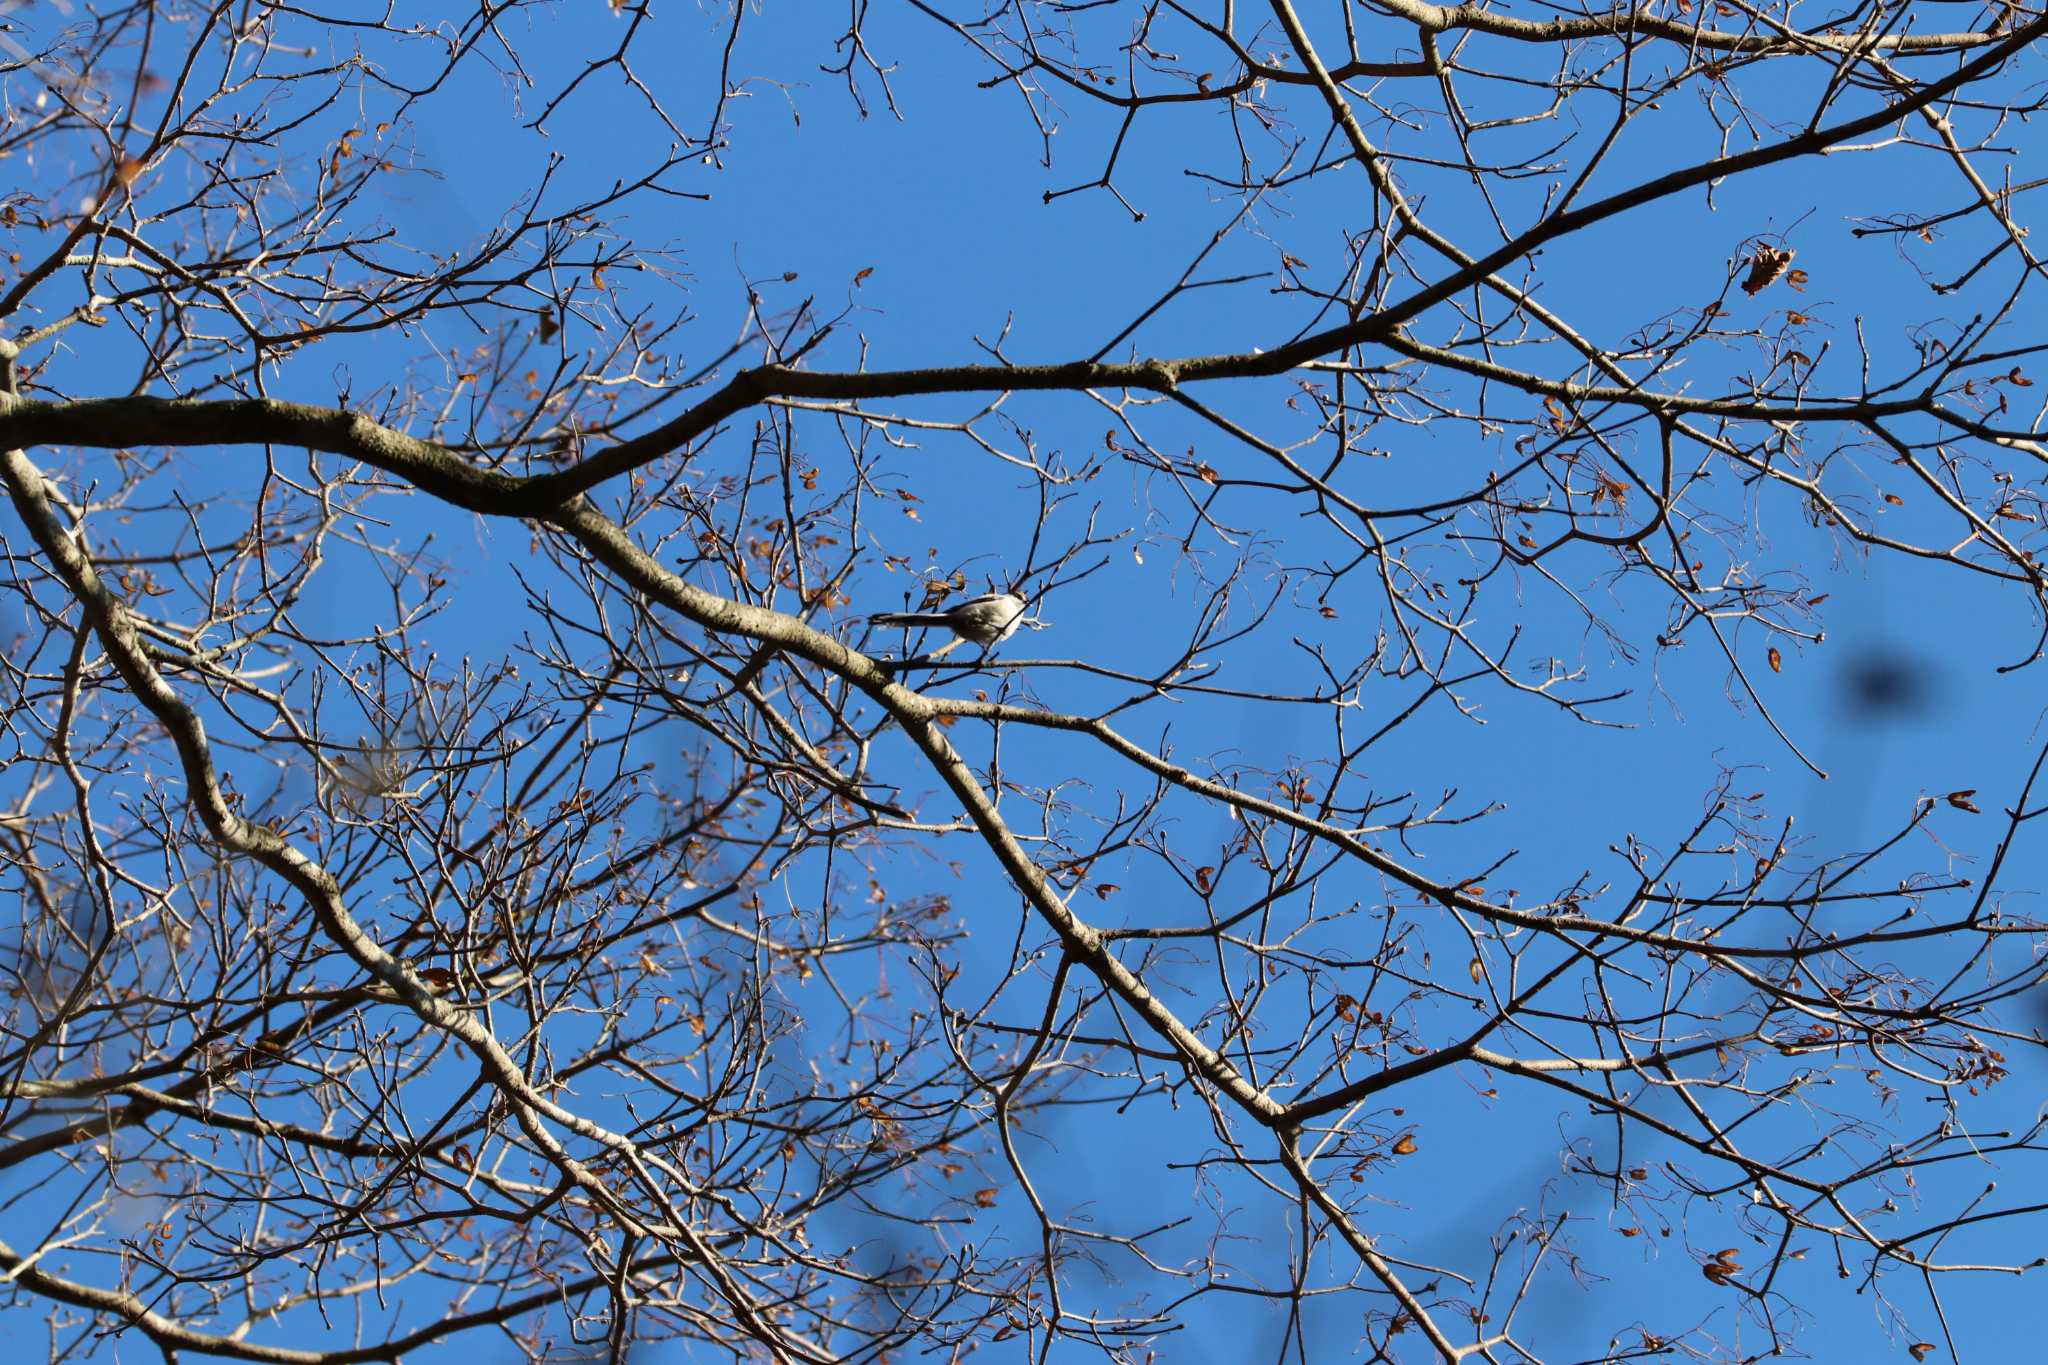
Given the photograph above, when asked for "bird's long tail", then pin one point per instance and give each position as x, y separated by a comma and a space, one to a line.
909, 618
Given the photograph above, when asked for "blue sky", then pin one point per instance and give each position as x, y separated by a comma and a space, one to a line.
946, 206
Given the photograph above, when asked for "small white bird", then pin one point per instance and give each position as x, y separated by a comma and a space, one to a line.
987, 620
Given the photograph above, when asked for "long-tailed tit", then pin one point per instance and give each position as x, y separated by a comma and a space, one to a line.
987, 620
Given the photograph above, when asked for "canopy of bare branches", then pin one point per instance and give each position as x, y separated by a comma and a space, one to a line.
475, 879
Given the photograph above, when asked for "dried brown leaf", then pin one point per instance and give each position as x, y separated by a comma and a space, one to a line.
1765, 266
